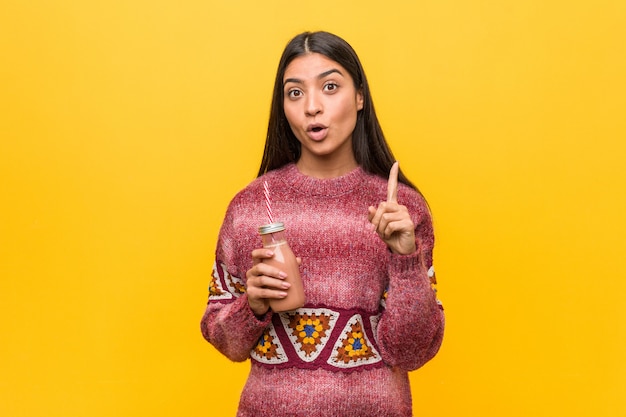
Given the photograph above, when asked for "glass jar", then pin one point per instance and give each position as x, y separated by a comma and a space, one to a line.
284, 259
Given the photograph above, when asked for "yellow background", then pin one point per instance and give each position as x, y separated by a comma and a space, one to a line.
127, 126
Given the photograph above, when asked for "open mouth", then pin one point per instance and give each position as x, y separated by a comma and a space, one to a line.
317, 127
317, 132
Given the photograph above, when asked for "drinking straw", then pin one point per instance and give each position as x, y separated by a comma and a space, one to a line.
268, 203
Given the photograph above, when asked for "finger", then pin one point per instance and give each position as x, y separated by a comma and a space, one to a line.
392, 225
386, 220
268, 282
264, 270
259, 254
262, 293
371, 212
392, 184
375, 215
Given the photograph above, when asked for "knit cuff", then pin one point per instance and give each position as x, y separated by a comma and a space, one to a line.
408, 267
251, 321
402, 263
264, 319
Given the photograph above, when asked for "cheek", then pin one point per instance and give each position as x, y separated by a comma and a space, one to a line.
290, 114
292, 121
348, 112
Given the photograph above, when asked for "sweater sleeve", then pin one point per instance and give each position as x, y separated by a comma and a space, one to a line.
233, 328
410, 330
228, 322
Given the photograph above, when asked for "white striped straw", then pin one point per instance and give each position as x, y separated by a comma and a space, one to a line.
268, 203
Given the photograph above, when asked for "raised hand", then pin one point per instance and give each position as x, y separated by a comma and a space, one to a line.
391, 221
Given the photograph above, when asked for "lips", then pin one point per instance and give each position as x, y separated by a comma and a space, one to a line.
316, 131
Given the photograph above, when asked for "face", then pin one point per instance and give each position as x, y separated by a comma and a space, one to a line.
321, 105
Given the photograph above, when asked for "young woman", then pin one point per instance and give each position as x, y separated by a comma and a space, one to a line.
364, 243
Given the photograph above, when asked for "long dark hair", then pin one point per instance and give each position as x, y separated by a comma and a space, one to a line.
370, 148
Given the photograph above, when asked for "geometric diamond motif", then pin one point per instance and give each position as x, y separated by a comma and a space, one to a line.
383, 299
374, 323
216, 291
433, 283
353, 347
269, 349
235, 285
309, 330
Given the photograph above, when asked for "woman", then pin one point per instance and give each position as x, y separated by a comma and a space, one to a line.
365, 248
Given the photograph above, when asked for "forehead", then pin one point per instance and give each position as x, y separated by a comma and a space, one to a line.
311, 66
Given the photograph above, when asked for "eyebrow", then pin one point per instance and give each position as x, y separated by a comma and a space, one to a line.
319, 77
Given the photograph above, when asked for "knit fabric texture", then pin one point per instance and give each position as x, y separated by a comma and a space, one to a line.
370, 315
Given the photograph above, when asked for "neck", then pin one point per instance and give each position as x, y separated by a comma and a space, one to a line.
323, 169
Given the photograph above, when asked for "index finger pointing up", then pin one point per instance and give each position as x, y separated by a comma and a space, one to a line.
392, 185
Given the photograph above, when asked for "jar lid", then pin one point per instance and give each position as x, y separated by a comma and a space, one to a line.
271, 228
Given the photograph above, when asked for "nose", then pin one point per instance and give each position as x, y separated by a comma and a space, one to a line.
313, 105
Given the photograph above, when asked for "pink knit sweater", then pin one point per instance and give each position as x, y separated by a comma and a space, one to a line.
370, 315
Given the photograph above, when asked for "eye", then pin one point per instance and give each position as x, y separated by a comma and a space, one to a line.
330, 87
294, 93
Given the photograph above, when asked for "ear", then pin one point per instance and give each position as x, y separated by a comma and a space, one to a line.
359, 99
